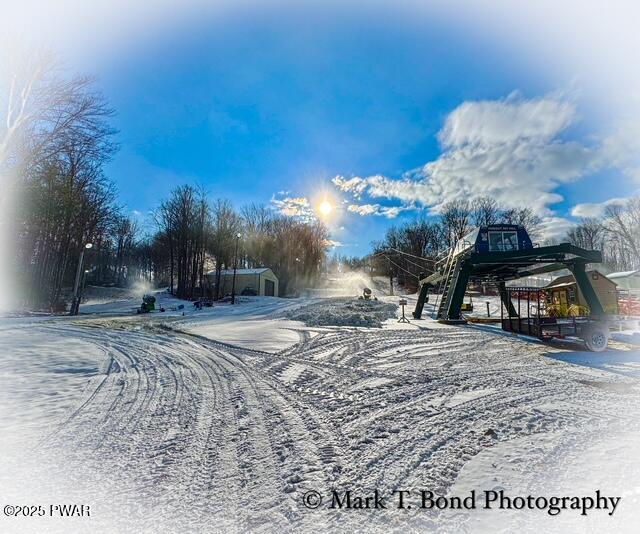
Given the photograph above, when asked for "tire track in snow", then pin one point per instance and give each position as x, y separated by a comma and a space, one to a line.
238, 434
267, 436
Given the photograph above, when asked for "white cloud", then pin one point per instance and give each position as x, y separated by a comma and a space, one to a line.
294, 207
621, 149
595, 209
512, 150
406, 190
553, 228
508, 149
494, 122
356, 186
390, 212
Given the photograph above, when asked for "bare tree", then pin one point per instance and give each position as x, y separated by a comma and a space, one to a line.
622, 223
226, 224
588, 233
616, 234
49, 115
64, 200
525, 217
455, 218
486, 211
183, 221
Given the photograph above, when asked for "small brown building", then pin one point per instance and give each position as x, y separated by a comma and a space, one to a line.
564, 291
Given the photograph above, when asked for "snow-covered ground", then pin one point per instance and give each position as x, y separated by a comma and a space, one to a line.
344, 311
222, 420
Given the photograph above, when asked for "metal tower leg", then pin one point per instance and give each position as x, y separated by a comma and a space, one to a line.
586, 288
422, 297
506, 300
455, 304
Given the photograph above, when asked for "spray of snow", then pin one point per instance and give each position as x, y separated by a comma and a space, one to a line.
140, 288
350, 284
105, 295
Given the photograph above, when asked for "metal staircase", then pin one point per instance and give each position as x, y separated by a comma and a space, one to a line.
448, 284
450, 270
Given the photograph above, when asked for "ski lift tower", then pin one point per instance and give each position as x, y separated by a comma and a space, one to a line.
497, 254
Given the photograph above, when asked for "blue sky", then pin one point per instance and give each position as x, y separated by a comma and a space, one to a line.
259, 106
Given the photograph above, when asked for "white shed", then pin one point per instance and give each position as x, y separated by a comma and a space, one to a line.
626, 279
260, 281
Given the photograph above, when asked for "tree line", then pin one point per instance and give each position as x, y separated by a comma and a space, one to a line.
616, 233
55, 140
195, 237
410, 249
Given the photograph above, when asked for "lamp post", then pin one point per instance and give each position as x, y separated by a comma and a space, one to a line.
235, 267
75, 303
84, 283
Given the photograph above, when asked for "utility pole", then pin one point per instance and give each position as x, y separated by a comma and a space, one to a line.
75, 303
390, 279
235, 267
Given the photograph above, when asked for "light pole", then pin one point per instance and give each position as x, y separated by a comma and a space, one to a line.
235, 267
84, 283
75, 303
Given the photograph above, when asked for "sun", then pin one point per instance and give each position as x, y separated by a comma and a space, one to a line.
325, 207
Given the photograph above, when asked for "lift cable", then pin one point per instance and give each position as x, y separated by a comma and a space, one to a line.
413, 262
408, 261
398, 266
385, 251
413, 255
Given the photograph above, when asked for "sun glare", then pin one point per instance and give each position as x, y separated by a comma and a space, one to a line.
325, 207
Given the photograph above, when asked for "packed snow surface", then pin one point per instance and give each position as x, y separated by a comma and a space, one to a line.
222, 419
344, 311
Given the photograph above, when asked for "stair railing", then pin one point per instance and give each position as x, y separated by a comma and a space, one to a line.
451, 261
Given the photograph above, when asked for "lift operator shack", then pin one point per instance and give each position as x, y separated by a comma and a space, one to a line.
496, 254
499, 238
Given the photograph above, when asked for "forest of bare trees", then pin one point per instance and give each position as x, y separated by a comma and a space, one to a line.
399, 253
55, 140
616, 233
196, 236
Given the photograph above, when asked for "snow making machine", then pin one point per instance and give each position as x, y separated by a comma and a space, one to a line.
503, 252
148, 304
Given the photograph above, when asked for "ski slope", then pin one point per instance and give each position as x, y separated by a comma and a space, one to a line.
222, 420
